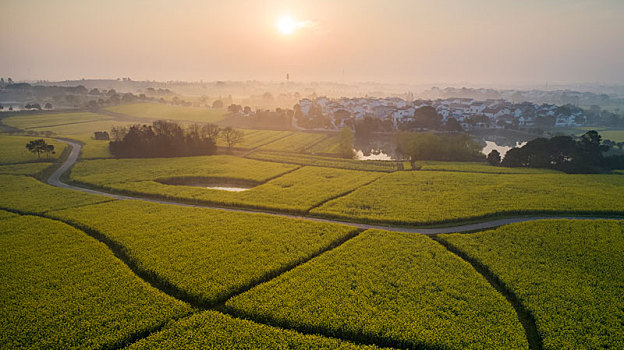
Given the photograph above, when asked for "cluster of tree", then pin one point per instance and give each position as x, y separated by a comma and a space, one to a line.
101, 135
40, 146
345, 143
367, 125
170, 139
564, 153
430, 146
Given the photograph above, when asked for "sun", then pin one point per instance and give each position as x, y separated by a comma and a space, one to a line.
286, 25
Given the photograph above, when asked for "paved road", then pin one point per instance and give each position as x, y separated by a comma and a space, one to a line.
55, 180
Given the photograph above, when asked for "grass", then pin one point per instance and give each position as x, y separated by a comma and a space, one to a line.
415, 197
568, 273
61, 289
92, 149
13, 150
392, 289
295, 192
205, 256
256, 138
212, 330
24, 169
297, 142
170, 112
108, 171
330, 145
25, 194
475, 167
329, 162
42, 121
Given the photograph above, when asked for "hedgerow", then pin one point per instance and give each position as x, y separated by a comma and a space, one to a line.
60, 289
203, 255
417, 197
390, 289
213, 330
567, 273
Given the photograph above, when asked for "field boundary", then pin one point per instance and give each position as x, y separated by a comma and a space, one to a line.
525, 316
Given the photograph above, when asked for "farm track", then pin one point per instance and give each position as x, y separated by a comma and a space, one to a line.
55, 180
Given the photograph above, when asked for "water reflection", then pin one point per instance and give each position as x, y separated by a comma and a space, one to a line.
230, 189
502, 149
372, 155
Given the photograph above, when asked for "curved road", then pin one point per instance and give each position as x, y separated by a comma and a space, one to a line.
55, 180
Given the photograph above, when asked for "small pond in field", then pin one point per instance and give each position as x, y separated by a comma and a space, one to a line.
226, 188
230, 185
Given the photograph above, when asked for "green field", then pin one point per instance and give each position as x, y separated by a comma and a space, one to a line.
297, 142
108, 171
24, 169
6, 215
330, 145
329, 162
390, 288
256, 138
613, 135
13, 150
420, 197
294, 192
43, 121
474, 167
169, 112
212, 330
568, 273
61, 289
27, 195
92, 149
205, 255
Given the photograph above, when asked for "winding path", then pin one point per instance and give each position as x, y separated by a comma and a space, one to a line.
55, 180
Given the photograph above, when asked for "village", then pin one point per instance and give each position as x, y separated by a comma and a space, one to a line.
469, 113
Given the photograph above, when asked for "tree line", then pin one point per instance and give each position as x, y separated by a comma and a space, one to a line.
565, 153
444, 147
170, 139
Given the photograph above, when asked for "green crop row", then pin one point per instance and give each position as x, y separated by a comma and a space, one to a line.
39, 121
212, 330
6, 214
61, 289
329, 162
474, 167
28, 195
421, 197
330, 145
169, 112
13, 150
388, 288
24, 168
108, 171
295, 192
205, 255
297, 142
567, 273
256, 138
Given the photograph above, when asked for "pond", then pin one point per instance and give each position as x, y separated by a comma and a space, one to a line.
230, 185
502, 149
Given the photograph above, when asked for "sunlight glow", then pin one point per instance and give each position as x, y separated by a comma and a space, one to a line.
286, 25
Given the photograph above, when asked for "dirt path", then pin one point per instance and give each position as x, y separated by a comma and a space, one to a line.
55, 180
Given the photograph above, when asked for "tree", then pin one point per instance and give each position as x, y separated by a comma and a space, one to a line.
39, 146
48, 105
345, 144
210, 131
453, 125
217, 104
232, 136
494, 158
101, 135
234, 108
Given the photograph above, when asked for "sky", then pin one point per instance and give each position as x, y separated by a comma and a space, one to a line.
390, 41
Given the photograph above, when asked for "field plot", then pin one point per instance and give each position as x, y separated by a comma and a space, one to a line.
25, 194
13, 150
6, 214
568, 273
294, 192
297, 142
107, 171
206, 255
389, 288
24, 169
212, 330
92, 149
169, 112
329, 162
330, 145
61, 289
474, 167
41, 121
418, 197
256, 138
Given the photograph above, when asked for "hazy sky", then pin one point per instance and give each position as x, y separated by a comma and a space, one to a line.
406, 41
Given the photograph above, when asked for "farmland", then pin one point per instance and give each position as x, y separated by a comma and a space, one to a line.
205, 255
295, 192
418, 197
107, 171
13, 150
474, 167
28, 195
41, 121
212, 330
329, 162
297, 142
61, 289
390, 288
169, 112
24, 168
330, 145
568, 273
256, 138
